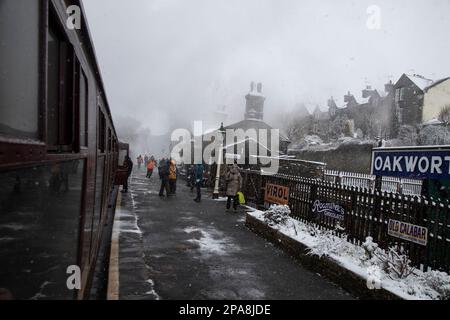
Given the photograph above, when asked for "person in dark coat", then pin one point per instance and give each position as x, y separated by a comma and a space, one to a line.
128, 164
191, 178
198, 176
164, 172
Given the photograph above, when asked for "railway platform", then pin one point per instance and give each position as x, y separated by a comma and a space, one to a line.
174, 248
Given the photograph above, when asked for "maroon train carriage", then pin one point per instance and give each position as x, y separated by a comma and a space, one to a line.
58, 152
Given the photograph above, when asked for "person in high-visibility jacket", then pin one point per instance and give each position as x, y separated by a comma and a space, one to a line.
172, 177
150, 168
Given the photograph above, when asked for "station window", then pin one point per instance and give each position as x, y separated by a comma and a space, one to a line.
60, 90
19, 68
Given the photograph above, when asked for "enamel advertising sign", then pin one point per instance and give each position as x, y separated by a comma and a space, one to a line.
408, 231
331, 210
276, 194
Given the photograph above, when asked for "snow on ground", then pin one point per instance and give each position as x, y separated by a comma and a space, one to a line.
128, 221
212, 241
418, 285
221, 199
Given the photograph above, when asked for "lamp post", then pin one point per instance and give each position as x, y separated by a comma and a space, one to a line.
219, 161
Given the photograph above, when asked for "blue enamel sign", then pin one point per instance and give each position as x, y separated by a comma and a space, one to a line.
417, 163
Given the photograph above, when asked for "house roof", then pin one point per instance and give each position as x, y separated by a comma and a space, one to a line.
421, 82
253, 124
255, 94
436, 83
363, 100
433, 121
247, 139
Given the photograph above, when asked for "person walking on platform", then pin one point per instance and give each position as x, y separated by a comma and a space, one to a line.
234, 184
140, 160
128, 164
164, 172
150, 168
198, 176
191, 177
172, 177
145, 160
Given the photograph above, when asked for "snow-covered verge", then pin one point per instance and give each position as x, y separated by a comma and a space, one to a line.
389, 269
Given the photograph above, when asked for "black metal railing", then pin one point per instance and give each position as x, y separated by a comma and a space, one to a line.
367, 212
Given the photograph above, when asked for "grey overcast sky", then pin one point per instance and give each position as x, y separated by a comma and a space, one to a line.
170, 61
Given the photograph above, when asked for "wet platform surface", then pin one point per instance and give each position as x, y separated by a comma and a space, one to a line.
174, 248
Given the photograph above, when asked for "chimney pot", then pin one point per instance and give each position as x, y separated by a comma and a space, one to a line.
260, 87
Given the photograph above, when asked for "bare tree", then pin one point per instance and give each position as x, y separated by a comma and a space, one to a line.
297, 127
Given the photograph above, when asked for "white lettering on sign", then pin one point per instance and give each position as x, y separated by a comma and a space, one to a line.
331, 210
448, 160
436, 163
424, 164
378, 163
387, 164
410, 163
397, 166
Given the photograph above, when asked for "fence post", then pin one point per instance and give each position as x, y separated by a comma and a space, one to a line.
376, 214
378, 183
400, 186
313, 197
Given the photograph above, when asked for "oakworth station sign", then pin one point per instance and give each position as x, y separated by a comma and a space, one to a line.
431, 162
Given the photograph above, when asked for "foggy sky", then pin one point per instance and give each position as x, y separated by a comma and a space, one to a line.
170, 61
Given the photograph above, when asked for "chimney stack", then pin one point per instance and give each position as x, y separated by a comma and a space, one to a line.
259, 87
348, 97
389, 87
252, 86
367, 92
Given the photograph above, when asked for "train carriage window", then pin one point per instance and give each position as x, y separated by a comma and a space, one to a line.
60, 90
83, 110
52, 88
101, 135
19, 68
109, 141
39, 226
99, 183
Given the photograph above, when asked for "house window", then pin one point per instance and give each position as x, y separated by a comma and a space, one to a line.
399, 94
19, 68
60, 90
400, 115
